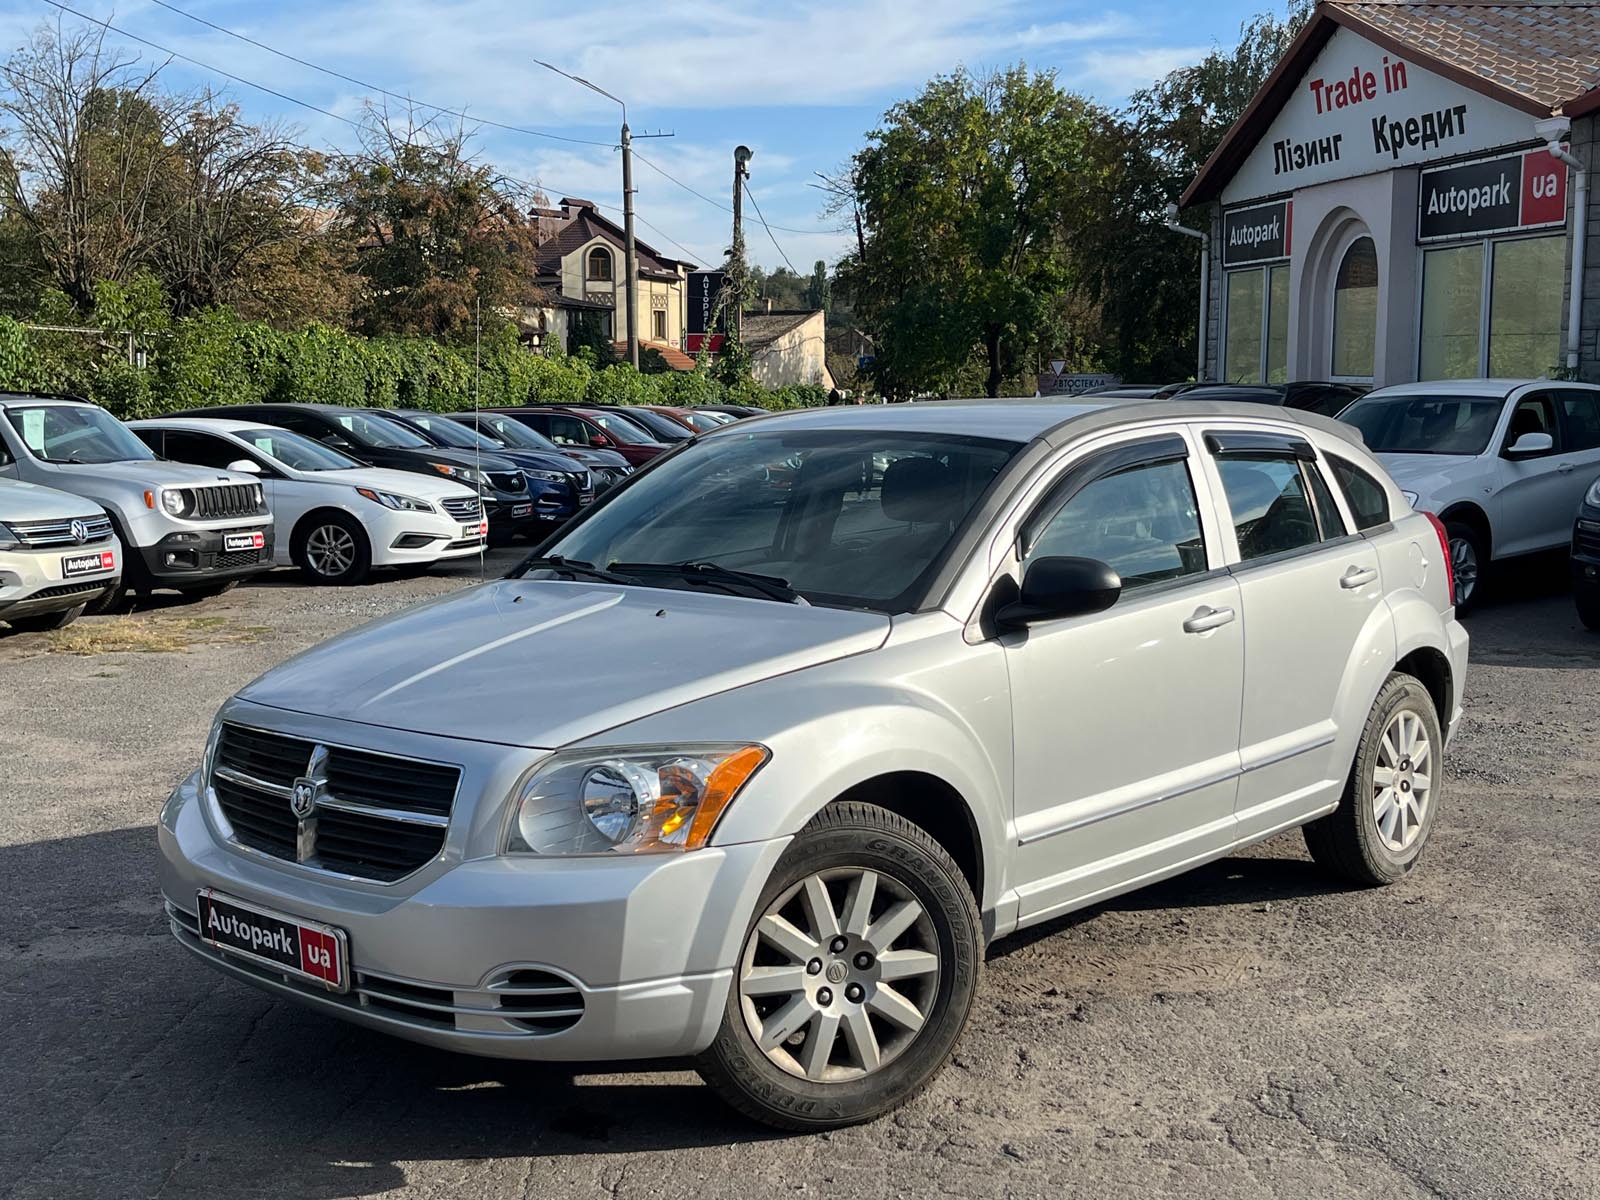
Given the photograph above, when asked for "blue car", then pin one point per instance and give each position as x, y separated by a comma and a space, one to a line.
508, 433
558, 486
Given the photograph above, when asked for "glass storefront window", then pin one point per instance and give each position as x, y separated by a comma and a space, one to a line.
1256, 347
1242, 356
1452, 312
1355, 311
1525, 295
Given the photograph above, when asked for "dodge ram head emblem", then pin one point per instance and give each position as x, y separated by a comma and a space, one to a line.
304, 799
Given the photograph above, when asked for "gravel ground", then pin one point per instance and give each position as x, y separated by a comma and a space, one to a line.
1244, 1030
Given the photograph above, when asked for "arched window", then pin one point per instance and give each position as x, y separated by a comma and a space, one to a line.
599, 263
1355, 311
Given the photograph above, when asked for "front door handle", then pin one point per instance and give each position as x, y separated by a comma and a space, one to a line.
1207, 618
1566, 468
1357, 577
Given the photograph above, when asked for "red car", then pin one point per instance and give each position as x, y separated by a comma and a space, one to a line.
575, 425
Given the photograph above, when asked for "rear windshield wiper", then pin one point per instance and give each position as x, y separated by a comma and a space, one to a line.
768, 586
566, 566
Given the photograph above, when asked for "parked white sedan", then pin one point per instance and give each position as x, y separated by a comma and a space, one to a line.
1503, 463
337, 518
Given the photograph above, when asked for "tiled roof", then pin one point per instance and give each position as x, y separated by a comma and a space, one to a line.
1549, 53
586, 224
675, 358
762, 329
1536, 56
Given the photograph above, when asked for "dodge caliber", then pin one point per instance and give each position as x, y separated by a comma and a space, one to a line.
979, 665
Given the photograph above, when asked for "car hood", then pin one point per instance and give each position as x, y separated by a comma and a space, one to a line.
1432, 476
608, 459
542, 663
540, 460
80, 477
406, 483
32, 502
439, 454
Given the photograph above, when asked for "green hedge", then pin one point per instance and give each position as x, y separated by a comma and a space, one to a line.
216, 358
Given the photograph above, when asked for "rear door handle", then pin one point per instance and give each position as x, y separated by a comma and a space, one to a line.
1357, 577
1207, 618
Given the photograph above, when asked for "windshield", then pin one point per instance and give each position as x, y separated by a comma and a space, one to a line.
519, 436
1425, 424
663, 427
451, 433
621, 429
381, 432
855, 518
296, 452
73, 433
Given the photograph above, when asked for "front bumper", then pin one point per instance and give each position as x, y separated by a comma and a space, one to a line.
1586, 547
201, 556
32, 582
642, 948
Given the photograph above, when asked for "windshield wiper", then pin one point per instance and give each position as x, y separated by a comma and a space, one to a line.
768, 586
566, 566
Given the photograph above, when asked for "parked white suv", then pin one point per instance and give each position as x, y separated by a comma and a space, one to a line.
57, 554
1503, 462
338, 518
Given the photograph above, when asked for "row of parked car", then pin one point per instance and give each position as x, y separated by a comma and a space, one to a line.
92, 508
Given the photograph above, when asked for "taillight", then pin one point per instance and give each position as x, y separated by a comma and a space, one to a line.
1444, 548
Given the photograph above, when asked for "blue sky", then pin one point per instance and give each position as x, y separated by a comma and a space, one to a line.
799, 82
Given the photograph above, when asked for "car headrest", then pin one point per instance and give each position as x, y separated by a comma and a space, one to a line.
918, 490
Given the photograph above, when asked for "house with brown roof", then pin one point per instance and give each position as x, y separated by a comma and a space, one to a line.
581, 266
787, 346
1407, 197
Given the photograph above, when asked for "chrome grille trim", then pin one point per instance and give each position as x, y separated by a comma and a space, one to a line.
40, 535
462, 508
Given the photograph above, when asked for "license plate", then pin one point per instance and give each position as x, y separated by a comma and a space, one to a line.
74, 565
521, 510
244, 541
481, 529
305, 949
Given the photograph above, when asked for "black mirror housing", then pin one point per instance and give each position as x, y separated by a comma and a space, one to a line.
1053, 588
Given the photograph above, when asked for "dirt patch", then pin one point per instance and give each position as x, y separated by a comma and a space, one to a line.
152, 635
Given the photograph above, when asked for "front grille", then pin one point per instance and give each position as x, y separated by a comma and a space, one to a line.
71, 589
524, 1001
39, 535
507, 481
228, 500
230, 559
462, 508
1584, 541
377, 816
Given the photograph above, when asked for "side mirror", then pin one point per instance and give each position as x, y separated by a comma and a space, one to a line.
245, 466
599, 439
1530, 445
337, 442
1061, 587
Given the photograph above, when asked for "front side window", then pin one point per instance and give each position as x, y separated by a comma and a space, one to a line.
1425, 424
1534, 414
567, 431
1368, 502
1143, 521
600, 263
378, 432
1355, 311
858, 518
72, 433
1271, 507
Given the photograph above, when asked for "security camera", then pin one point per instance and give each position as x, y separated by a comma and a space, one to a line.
1172, 214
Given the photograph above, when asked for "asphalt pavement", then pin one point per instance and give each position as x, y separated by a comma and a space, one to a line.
1247, 1030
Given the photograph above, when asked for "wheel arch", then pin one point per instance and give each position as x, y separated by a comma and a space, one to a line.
311, 515
1469, 513
934, 806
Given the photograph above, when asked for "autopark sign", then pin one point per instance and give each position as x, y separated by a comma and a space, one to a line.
1360, 109
1258, 234
1494, 195
704, 289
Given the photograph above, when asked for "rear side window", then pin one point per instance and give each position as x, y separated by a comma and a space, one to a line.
1369, 503
1271, 507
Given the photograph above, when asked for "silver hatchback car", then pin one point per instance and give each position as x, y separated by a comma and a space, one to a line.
751, 760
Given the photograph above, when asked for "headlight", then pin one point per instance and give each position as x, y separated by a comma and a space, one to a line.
548, 476
1592, 496
174, 501
460, 474
1411, 498
260, 496
630, 801
395, 500
8, 540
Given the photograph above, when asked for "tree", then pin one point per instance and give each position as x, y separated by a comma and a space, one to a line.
964, 197
817, 289
439, 234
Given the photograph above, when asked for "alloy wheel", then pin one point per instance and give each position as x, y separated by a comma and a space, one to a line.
1402, 781
839, 975
1464, 567
330, 550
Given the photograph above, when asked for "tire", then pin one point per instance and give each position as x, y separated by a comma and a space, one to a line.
332, 548
1469, 563
45, 622
1587, 597
938, 949
206, 591
113, 600
1373, 839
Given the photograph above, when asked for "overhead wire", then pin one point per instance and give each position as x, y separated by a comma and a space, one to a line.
768, 228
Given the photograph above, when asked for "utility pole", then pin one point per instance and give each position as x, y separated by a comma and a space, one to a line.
741, 172
631, 254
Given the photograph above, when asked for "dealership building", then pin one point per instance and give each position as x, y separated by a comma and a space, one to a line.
1406, 198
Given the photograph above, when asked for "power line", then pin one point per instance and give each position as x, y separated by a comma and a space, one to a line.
250, 83
717, 203
768, 228
372, 87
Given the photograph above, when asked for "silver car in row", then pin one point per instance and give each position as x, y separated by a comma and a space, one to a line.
753, 775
